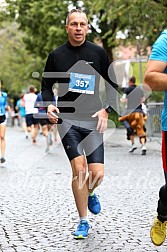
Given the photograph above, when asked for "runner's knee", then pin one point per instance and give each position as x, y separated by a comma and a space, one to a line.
144, 138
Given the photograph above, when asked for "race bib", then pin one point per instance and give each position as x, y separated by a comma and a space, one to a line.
82, 83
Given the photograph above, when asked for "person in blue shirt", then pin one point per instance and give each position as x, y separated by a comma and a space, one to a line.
43, 121
20, 106
156, 78
3, 107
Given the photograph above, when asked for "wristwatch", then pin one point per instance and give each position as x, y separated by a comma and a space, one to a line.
108, 108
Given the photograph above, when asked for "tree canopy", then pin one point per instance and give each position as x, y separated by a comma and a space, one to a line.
43, 21
40, 29
17, 64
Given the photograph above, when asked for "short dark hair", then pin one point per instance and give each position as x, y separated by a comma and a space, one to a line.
32, 89
72, 11
132, 79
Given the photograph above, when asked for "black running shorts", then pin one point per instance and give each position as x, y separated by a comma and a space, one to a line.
82, 138
31, 120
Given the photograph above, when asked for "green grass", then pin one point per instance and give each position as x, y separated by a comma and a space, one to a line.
155, 96
136, 71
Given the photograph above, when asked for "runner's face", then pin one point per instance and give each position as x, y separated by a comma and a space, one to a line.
77, 28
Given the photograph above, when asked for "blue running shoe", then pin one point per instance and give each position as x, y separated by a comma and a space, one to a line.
94, 204
82, 230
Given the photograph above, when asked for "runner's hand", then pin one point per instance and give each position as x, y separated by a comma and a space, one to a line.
102, 120
52, 112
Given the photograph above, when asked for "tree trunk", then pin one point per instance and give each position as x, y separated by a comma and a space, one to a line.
108, 49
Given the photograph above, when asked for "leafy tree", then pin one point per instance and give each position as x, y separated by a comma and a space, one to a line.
17, 65
43, 21
142, 19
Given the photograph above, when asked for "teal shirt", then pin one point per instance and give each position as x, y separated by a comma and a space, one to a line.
159, 52
22, 110
3, 103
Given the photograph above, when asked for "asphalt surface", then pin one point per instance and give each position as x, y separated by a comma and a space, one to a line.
37, 210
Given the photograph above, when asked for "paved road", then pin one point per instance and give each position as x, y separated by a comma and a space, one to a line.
37, 211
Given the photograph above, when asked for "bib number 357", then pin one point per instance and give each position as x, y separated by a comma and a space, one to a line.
82, 83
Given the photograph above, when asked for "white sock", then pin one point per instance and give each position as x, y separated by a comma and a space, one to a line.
85, 218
